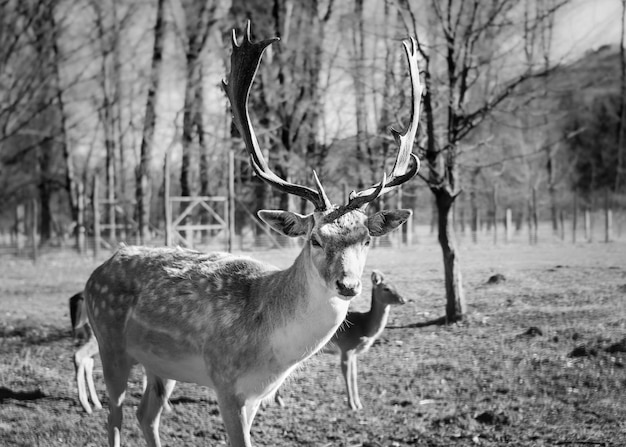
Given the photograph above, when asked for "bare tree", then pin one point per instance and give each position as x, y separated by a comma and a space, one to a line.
358, 73
200, 17
621, 129
293, 99
142, 192
468, 30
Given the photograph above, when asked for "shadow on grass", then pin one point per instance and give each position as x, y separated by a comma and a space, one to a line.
35, 335
441, 321
7, 393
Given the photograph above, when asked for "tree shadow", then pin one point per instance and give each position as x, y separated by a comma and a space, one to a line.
7, 393
440, 321
36, 335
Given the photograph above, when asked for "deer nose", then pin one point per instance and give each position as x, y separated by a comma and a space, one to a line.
348, 287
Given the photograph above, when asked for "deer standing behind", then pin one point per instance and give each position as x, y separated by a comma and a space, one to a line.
229, 322
84, 356
361, 329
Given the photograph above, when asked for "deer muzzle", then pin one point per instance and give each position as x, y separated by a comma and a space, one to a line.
348, 286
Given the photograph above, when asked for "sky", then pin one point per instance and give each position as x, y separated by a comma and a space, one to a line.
586, 25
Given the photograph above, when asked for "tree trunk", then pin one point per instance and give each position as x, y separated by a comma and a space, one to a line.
621, 128
188, 118
552, 189
199, 125
106, 116
455, 297
45, 189
142, 172
474, 205
118, 94
358, 37
70, 182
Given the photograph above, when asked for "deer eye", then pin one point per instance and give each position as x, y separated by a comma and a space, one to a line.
366, 243
315, 242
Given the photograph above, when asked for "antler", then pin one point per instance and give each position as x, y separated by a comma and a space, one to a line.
407, 164
245, 60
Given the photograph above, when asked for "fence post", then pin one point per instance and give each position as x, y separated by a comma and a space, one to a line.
495, 215
96, 217
166, 201
20, 227
588, 235
608, 217
475, 224
409, 231
535, 218
574, 216
80, 218
508, 225
33, 229
231, 199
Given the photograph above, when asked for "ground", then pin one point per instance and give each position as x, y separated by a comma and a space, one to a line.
539, 361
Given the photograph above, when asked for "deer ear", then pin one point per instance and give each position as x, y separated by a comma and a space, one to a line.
377, 277
287, 223
385, 221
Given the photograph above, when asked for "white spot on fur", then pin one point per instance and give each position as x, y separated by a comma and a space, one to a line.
218, 283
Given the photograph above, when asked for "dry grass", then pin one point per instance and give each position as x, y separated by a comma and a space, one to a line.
484, 382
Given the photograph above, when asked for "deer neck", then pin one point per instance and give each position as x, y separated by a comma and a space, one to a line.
377, 316
316, 315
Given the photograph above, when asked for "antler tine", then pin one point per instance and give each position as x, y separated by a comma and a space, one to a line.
245, 60
407, 164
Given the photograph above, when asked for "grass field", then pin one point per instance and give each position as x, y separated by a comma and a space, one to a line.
489, 381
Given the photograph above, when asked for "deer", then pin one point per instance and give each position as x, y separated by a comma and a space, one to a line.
359, 332
83, 357
227, 321
361, 329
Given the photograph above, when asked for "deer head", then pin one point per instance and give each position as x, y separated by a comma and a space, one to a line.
338, 236
385, 292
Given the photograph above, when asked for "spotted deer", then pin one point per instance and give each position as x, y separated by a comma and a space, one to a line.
229, 322
361, 329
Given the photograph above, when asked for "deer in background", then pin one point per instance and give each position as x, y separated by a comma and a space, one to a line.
361, 329
229, 322
83, 357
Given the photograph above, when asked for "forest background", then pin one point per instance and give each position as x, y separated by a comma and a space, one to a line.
524, 110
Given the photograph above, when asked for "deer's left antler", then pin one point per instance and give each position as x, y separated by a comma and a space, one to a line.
407, 164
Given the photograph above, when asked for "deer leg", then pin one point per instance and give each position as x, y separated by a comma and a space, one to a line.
83, 365
251, 409
80, 382
153, 402
116, 368
346, 366
236, 417
90, 385
356, 401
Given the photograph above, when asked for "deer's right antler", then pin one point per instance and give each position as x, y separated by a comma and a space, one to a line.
244, 64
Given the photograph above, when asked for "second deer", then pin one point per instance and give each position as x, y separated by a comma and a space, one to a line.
361, 329
83, 357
